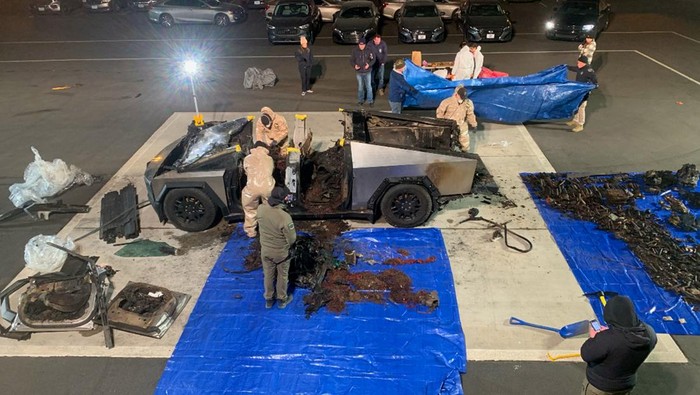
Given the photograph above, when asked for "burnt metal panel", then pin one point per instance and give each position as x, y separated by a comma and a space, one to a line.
452, 174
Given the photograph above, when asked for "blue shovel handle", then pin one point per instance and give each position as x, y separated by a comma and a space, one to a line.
518, 321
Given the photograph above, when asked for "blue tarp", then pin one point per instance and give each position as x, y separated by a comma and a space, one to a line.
542, 96
600, 261
232, 344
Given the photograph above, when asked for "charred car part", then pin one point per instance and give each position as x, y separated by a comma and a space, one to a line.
670, 263
145, 309
403, 170
527, 244
69, 300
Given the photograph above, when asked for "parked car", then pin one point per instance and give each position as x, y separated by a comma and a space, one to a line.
104, 5
329, 8
171, 12
419, 21
356, 20
485, 20
448, 9
55, 6
573, 19
141, 5
292, 19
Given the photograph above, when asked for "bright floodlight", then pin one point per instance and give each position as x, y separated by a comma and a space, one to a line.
190, 67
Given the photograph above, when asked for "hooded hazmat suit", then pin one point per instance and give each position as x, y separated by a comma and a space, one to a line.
276, 133
462, 113
258, 167
467, 65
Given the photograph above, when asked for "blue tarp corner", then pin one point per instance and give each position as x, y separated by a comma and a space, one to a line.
232, 344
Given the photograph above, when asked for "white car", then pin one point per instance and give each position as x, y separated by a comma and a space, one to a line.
448, 9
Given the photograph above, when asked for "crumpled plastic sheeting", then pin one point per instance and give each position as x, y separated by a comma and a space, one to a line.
600, 261
542, 96
44, 258
254, 78
210, 140
232, 344
43, 179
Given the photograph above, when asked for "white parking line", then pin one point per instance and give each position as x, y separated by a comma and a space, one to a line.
668, 67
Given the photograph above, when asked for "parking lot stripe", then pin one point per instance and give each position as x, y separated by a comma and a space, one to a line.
696, 82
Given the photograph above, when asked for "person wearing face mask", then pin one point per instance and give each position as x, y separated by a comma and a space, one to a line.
614, 354
460, 109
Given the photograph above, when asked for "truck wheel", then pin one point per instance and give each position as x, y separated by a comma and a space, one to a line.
191, 210
406, 205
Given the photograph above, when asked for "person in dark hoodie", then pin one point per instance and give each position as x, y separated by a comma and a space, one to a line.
277, 236
614, 354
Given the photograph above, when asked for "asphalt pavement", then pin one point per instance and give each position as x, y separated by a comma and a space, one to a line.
119, 81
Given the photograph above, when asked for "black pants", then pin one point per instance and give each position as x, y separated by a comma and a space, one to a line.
305, 74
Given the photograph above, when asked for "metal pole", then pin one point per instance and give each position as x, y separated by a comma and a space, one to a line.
194, 96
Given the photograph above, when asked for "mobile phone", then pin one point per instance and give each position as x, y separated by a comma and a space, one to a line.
595, 325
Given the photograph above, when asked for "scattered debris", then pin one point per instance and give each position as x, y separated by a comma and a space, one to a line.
671, 264
145, 309
119, 215
405, 261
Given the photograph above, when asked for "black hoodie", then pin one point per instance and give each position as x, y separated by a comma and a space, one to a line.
615, 354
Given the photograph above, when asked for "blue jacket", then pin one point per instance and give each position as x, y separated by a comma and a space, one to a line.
361, 58
380, 51
398, 87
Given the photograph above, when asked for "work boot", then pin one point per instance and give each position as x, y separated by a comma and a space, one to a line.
252, 235
283, 303
269, 303
571, 123
371, 104
577, 128
381, 91
360, 103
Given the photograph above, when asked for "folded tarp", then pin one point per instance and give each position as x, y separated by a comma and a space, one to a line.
542, 96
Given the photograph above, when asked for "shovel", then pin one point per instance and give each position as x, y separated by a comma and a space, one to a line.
566, 331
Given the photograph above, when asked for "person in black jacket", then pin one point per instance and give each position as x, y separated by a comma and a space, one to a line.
585, 74
362, 60
305, 59
381, 55
398, 87
615, 353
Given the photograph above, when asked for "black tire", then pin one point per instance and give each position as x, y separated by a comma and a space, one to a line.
406, 205
191, 210
396, 15
166, 20
221, 20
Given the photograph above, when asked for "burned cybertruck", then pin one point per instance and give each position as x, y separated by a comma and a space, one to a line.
401, 167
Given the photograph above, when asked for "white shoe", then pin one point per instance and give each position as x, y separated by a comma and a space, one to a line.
303, 93
309, 91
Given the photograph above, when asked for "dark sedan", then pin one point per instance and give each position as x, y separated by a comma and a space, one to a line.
485, 20
419, 21
104, 5
573, 19
356, 20
292, 19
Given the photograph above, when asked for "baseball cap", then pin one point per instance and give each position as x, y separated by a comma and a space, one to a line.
362, 41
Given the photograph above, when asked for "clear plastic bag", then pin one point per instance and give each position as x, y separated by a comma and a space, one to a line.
43, 179
44, 258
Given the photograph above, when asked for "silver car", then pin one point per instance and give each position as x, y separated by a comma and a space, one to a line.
170, 12
329, 8
448, 9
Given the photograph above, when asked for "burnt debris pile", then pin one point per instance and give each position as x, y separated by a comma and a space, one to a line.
609, 202
325, 170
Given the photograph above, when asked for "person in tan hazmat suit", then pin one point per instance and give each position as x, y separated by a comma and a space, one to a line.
258, 166
460, 109
272, 129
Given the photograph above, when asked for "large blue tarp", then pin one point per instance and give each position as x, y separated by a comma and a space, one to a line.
232, 344
600, 261
545, 95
